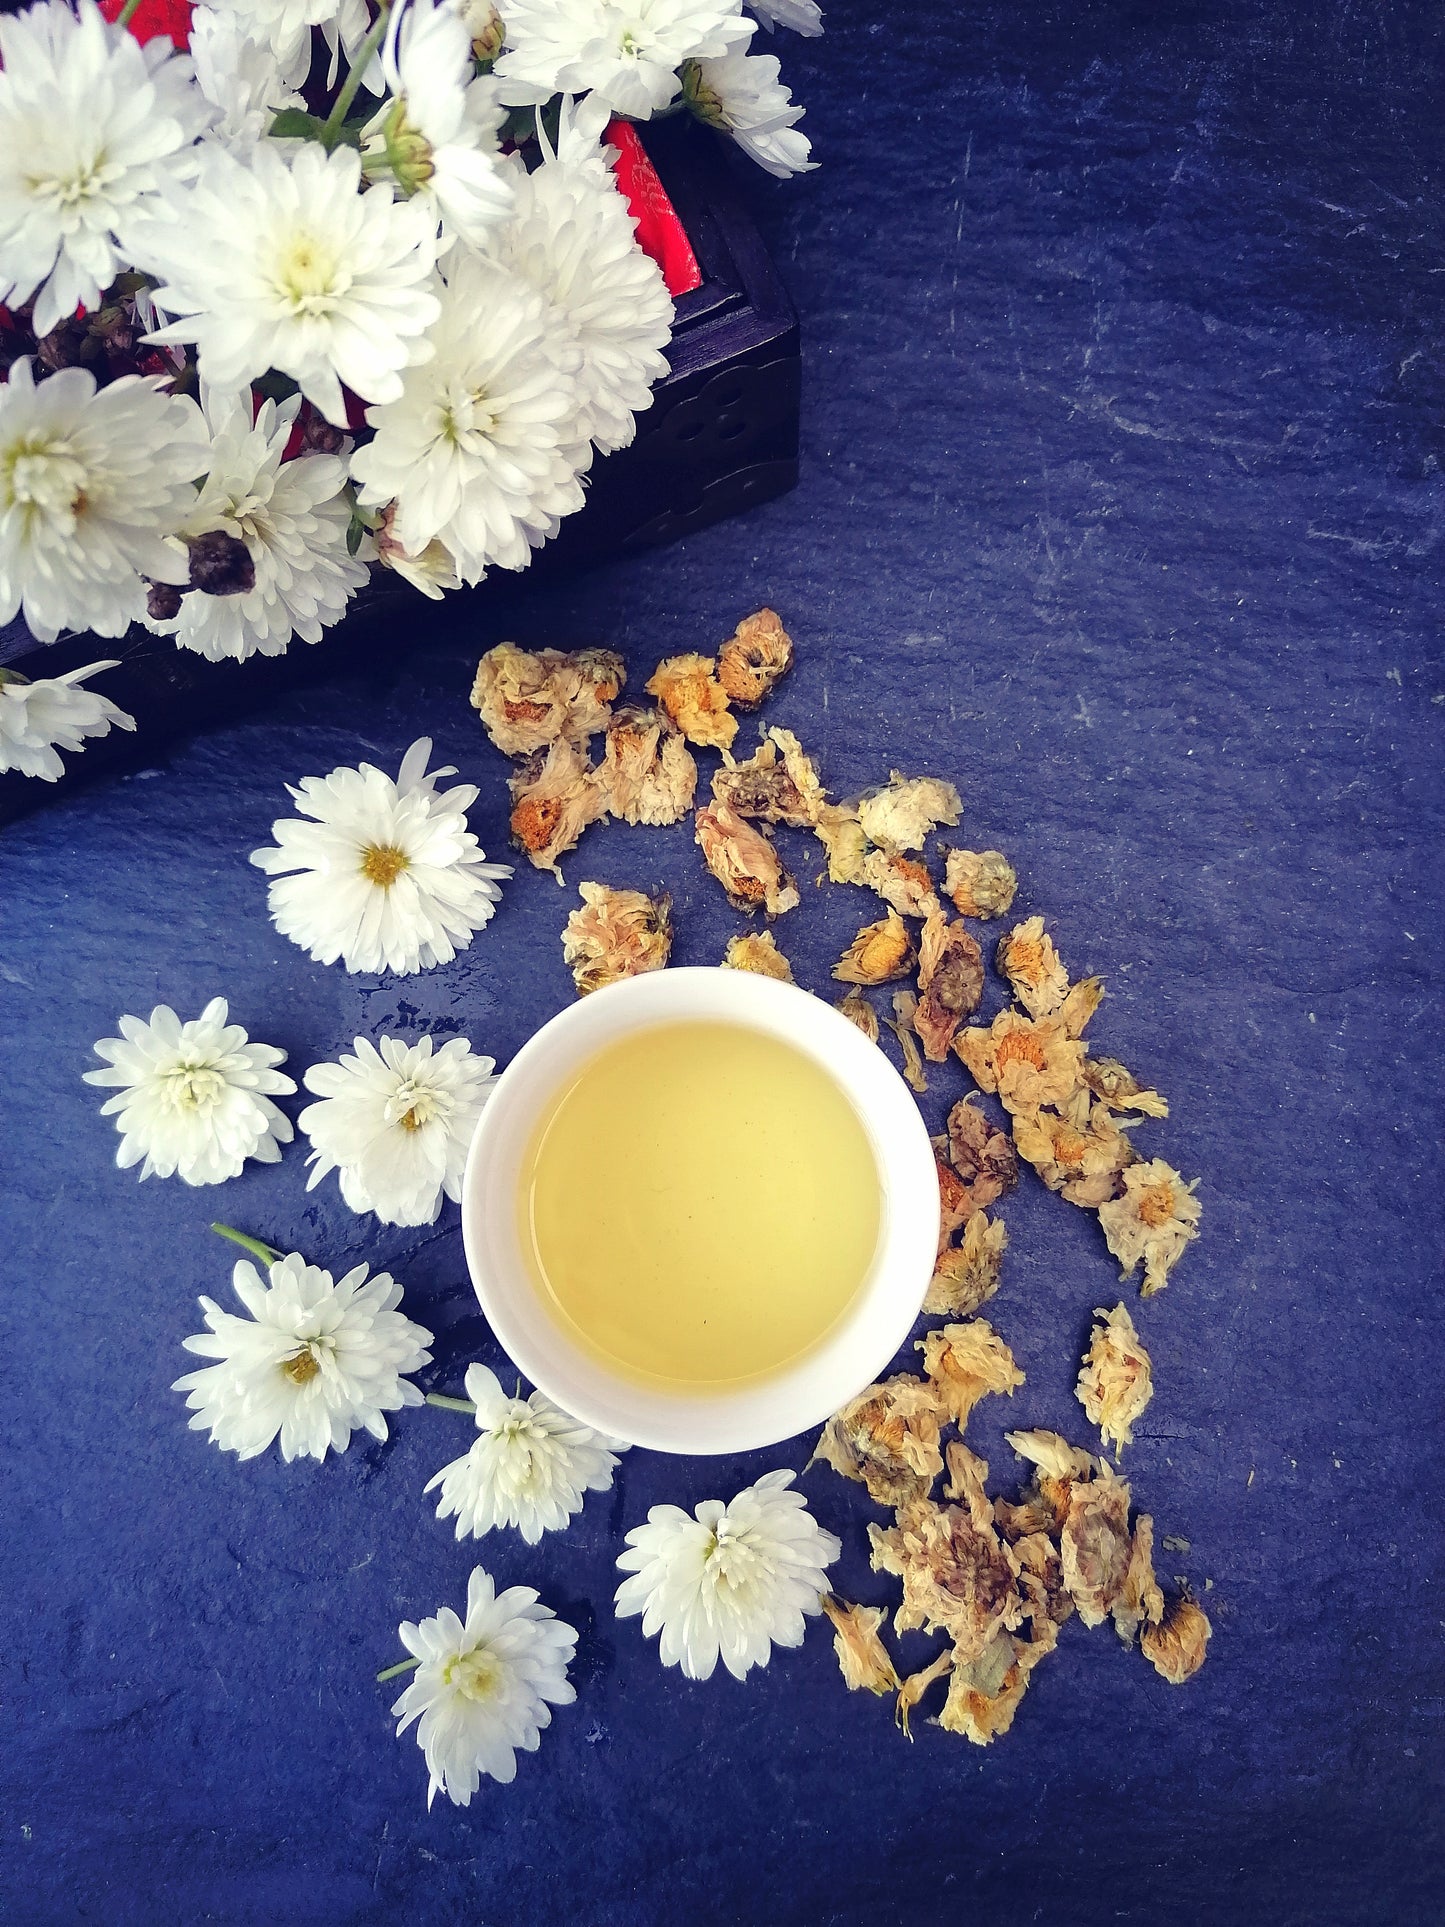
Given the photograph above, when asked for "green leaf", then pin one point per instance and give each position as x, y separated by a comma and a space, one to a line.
294, 123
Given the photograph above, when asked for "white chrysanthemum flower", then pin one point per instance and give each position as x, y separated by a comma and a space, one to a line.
530, 1468
572, 240
436, 137
285, 27
743, 96
314, 1362
628, 55
241, 77
433, 569
91, 123
482, 448
193, 1100
385, 874
293, 519
486, 1686
278, 262
38, 719
803, 16
92, 486
730, 1583
395, 1124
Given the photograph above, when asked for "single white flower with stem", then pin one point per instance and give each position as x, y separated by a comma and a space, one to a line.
531, 1467
93, 485
742, 94
38, 719
192, 1100
395, 1123
627, 55
380, 872
92, 124
315, 1360
729, 1583
484, 1687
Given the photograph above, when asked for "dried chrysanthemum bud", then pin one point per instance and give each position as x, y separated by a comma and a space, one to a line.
694, 700
555, 795
965, 1363
1139, 1600
983, 1157
1080, 1002
771, 788
902, 881
758, 952
903, 815
857, 1009
221, 564
1058, 1468
744, 862
1029, 1064
527, 701
616, 934
887, 1439
905, 1009
862, 1656
1154, 1219
841, 834
754, 659
982, 883
1026, 956
967, 1274
1175, 1648
1116, 1382
318, 435
1096, 1545
950, 983
163, 601
647, 771
879, 952
1113, 1085
984, 1694
1079, 1151
958, 1576
953, 1199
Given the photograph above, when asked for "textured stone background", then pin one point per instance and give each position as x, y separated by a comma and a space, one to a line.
1122, 506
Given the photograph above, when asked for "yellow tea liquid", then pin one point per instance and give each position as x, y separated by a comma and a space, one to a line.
700, 1204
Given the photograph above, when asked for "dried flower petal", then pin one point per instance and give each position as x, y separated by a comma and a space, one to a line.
1115, 1384
965, 1363
555, 795
982, 883
887, 1439
905, 813
1041, 1576
772, 787
967, 1274
647, 773
1079, 1152
902, 881
744, 862
1107, 1078
1139, 1599
982, 1156
950, 983
758, 952
1026, 956
1096, 1545
616, 934
527, 701
1029, 1064
953, 1203
879, 952
1154, 1220
1175, 1649
984, 1693
857, 1009
754, 659
862, 1656
915, 1686
905, 1008
1080, 1002
1044, 1504
958, 1577
694, 700
837, 828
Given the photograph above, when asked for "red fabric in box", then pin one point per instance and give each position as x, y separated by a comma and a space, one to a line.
659, 232
154, 17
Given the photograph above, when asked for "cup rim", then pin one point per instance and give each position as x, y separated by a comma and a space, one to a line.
755, 1412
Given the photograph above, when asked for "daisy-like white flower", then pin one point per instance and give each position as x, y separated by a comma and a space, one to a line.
292, 518
530, 1468
278, 262
38, 719
572, 240
313, 1362
803, 16
193, 1100
741, 94
285, 27
241, 78
92, 486
628, 55
395, 1124
91, 124
732, 1582
436, 137
482, 447
486, 1685
382, 873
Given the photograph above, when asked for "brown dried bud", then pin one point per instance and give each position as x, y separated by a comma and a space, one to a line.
163, 602
319, 435
221, 564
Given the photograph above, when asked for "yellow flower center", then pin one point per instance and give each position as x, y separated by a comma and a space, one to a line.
306, 278
383, 863
1069, 1144
192, 1087
475, 1675
303, 1367
1025, 959
1156, 1205
1019, 1047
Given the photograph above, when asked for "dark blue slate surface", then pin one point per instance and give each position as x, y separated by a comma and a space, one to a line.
1121, 505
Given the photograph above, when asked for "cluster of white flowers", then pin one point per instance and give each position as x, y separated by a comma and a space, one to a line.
288, 345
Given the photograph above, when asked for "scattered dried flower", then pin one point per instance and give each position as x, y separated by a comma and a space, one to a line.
958, 1577
880, 952
754, 659
857, 1009
906, 812
950, 983
984, 1693
616, 934
862, 1656
887, 1440
905, 1010
912, 1689
1154, 1220
1026, 956
982, 883
1096, 1545
902, 881
841, 834
1115, 1384
1028, 1064
953, 1201
527, 701
758, 952
1080, 1002
1139, 1600
555, 795
1044, 1504
1107, 1078
695, 701
772, 788
1175, 1648
982, 1156
965, 1363
1079, 1151
744, 862
647, 773
967, 1274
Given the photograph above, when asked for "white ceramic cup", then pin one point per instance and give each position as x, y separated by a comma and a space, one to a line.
726, 1418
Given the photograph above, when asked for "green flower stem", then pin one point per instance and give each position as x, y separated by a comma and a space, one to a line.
266, 1253
401, 1666
127, 13
451, 1404
331, 132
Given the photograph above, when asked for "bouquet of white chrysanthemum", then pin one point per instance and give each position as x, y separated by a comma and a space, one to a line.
341, 282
